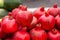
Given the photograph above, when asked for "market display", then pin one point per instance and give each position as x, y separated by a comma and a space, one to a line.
21, 24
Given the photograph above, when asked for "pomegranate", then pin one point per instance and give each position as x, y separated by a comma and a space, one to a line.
21, 35
54, 35
38, 34
47, 21
33, 23
57, 20
39, 12
24, 18
53, 10
2, 35
9, 24
20, 8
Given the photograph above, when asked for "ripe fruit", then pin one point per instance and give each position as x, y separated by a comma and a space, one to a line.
38, 34
9, 24
57, 19
54, 35
21, 35
14, 12
53, 10
24, 18
21, 7
47, 21
2, 35
39, 12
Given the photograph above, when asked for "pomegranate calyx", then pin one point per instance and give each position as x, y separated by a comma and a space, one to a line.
9, 14
46, 14
54, 31
42, 8
22, 7
55, 5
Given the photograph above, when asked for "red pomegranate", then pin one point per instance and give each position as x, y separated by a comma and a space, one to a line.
38, 12
2, 35
47, 21
57, 19
20, 8
54, 35
38, 34
53, 10
24, 17
7, 16
21, 35
9, 24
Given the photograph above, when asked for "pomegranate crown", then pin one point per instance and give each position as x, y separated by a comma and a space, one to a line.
23, 7
9, 13
46, 13
54, 30
55, 5
42, 8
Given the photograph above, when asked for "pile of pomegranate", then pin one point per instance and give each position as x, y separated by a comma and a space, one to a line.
21, 24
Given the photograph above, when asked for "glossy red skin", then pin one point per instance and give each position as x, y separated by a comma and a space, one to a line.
53, 11
24, 18
33, 23
57, 20
5, 17
52, 36
9, 25
14, 12
21, 35
47, 22
38, 13
20, 8
2, 35
38, 34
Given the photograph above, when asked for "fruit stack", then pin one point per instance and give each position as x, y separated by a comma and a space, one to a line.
21, 24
